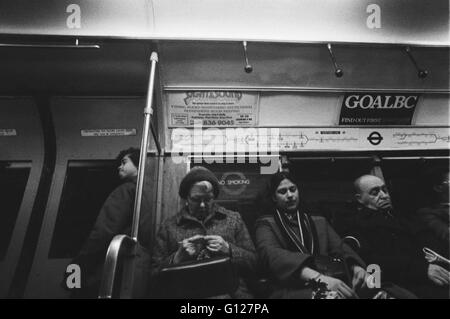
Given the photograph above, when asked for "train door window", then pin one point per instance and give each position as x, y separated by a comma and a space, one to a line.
241, 187
13, 180
408, 182
86, 187
326, 184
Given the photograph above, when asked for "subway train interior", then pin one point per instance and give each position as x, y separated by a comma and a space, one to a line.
236, 97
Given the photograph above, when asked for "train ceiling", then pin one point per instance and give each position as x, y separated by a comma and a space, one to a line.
102, 46
412, 22
120, 67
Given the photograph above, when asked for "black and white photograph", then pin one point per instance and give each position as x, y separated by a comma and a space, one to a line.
224, 153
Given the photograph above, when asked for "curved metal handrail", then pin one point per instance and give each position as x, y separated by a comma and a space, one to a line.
351, 239
120, 246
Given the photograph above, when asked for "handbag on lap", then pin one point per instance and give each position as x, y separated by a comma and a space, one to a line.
197, 279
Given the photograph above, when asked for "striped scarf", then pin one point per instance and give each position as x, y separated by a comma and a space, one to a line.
308, 242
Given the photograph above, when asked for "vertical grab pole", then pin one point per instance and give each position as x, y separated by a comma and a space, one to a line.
148, 111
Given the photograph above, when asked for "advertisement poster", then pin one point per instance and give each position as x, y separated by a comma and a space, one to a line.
378, 109
213, 109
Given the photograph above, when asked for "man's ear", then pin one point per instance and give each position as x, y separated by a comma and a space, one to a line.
358, 198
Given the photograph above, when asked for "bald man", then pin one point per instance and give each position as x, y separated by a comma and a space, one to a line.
372, 193
386, 240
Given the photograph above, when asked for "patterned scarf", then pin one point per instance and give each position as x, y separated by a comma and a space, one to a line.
308, 242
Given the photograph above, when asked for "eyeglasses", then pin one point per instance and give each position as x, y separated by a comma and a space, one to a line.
199, 200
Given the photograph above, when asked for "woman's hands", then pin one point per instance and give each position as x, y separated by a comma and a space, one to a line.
334, 284
190, 247
359, 279
187, 249
339, 286
358, 282
217, 244
438, 275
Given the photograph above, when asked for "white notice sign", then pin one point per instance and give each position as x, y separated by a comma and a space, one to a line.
212, 109
8, 132
109, 132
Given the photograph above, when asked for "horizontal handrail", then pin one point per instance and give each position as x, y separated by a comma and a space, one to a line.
388, 158
328, 158
306, 89
49, 46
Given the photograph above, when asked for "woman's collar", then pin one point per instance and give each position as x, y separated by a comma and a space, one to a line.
291, 216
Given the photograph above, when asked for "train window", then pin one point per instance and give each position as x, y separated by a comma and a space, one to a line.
13, 180
326, 185
86, 187
407, 181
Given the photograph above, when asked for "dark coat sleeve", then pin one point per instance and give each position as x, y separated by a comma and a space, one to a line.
164, 249
431, 221
283, 264
242, 250
114, 218
337, 247
395, 263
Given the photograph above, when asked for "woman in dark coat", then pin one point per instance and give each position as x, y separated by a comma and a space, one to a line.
289, 243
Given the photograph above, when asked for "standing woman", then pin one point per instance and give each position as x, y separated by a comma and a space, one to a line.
289, 243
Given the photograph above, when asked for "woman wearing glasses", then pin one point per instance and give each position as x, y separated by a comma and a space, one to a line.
202, 229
